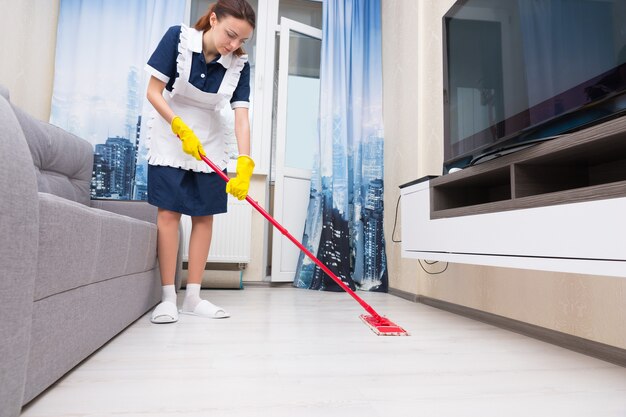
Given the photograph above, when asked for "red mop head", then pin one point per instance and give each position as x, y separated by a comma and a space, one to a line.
383, 326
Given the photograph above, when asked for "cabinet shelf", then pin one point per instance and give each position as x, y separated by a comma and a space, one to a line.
583, 166
486, 187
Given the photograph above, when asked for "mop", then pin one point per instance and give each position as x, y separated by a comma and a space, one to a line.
382, 326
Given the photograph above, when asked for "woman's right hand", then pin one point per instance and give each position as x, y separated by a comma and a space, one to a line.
191, 143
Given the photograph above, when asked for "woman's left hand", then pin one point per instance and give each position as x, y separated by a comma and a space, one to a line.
239, 185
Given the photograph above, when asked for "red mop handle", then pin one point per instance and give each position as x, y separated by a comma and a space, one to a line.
284, 231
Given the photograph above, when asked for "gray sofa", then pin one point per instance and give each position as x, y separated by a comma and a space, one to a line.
73, 272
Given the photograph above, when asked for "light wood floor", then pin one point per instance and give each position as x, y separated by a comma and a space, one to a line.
287, 352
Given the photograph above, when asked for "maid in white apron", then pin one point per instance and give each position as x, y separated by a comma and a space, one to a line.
195, 73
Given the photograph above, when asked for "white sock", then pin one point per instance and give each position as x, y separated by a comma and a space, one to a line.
169, 294
192, 297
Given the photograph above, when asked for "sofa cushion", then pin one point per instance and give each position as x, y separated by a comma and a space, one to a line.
69, 326
79, 245
133, 208
64, 161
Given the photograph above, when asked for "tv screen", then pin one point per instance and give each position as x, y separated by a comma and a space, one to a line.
517, 72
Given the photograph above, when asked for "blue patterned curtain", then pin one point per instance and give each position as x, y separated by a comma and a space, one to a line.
100, 84
344, 226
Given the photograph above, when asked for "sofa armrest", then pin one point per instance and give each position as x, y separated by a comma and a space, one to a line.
19, 240
143, 211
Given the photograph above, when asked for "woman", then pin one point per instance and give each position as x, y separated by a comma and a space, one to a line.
195, 72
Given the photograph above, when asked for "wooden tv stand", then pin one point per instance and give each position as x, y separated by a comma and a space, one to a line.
558, 205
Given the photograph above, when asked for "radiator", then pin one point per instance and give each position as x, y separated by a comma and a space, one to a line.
231, 234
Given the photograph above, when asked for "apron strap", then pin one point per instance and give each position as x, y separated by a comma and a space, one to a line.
190, 42
231, 78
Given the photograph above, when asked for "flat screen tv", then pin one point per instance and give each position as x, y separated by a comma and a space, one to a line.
518, 72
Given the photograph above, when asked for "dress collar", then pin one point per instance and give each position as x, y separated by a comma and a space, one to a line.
226, 60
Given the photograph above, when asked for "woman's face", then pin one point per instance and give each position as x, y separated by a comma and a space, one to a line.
229, 33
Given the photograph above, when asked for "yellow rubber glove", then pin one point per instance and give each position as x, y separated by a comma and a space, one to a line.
239, 185
191, 143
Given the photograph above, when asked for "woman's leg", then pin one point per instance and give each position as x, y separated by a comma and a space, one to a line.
199, 244
167, 251
167, 244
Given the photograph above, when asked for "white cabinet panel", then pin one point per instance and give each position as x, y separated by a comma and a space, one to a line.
583, 237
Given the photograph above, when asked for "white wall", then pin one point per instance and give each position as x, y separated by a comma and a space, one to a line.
27, 49
588, 306
411, 105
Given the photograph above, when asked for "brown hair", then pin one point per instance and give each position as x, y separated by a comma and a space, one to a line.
239, 9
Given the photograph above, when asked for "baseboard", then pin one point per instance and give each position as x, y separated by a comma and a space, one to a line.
403, 294
588, 347
267, 284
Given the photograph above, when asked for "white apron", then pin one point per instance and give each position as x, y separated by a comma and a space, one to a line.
198, 109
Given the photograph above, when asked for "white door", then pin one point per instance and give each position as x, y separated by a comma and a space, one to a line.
297, 134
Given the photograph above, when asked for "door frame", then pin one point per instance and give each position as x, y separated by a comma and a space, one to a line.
286, 27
